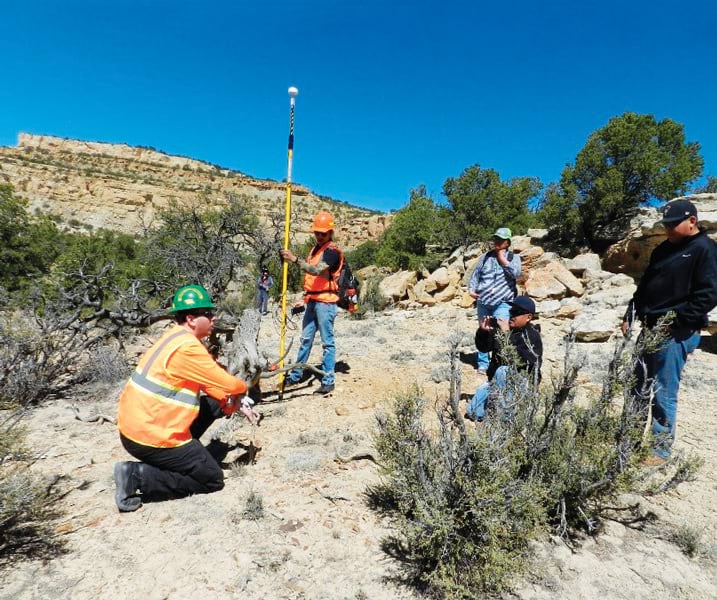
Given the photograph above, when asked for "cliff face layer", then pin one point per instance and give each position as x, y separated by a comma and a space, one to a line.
120, 187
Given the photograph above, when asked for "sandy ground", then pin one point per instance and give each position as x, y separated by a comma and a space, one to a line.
318, 538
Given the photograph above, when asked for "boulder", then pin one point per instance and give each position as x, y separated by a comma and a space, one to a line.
541, 285
529, 258
454, 277
582, 262
537, 234
631, 254
569, 308
420, 294
394, 287
429, 285
440, 277
426, 300
596, 325
456, 257
470, 265
474, 251
367, 272
552, 281
446, 294
564, 276
547, 308
466, 300
611, 297
520, 243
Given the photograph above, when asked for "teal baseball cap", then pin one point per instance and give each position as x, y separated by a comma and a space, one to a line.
503, 233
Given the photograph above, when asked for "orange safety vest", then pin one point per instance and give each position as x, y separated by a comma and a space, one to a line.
154, 409
323, 287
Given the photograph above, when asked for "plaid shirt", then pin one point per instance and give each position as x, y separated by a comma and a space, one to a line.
493, 282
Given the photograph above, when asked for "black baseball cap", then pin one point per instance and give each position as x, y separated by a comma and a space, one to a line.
524, 304
677, 211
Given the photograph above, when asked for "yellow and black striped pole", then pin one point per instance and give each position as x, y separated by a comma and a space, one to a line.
293, 93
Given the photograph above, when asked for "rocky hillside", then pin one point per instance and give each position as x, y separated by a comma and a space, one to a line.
116, 186
587, 293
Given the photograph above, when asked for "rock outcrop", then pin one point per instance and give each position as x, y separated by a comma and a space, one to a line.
630, 255
120, 187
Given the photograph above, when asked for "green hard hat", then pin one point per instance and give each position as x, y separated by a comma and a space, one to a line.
503, 233
191, 296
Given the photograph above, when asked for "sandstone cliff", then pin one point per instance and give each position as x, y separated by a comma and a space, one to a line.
120, 187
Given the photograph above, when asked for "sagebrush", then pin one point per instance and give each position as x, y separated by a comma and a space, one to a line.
466, 502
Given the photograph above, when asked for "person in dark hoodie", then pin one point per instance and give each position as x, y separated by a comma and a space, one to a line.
525, 340
681, 278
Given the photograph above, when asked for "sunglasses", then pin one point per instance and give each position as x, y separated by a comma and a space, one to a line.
209, 314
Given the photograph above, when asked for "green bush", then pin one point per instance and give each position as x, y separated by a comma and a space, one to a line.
371, 300
465, 503
409, 242
29, 244
628, 162
480, 202
363, 256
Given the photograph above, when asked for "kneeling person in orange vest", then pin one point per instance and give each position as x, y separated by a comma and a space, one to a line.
174, 395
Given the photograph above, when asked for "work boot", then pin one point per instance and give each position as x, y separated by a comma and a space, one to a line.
127, 486
324, 389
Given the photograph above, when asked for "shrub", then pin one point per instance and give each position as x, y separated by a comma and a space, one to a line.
28, 506
254, 507
371, 299
631, 160
363, 256
466, 503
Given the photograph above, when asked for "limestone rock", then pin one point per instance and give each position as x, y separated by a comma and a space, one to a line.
470, 266
631, 254
439, 277
596, 326
537, 234
569, 308
582, 262
394, 286
529, 258
564, 276
454, 277
466, 300
541, 285
445, 294
552, 281
547, 308
121, 187
519, 243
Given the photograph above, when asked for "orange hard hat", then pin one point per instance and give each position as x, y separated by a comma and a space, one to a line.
323, 222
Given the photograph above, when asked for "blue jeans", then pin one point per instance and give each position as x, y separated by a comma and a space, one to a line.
476, 407
664, 371
318, 315
499, 311
263, 300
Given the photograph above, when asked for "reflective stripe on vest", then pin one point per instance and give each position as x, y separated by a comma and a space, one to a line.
152, 411
320, 287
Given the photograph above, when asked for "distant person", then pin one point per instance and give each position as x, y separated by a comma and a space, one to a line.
322, 268
493, 283
523, 337
174, 395
264, 283
681, 278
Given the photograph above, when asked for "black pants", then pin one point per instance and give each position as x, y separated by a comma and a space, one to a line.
181, 471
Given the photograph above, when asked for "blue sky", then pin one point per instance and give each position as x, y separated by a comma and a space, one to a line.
391, 94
